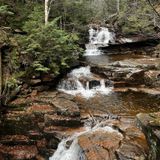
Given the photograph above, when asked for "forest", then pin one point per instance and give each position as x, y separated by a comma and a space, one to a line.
68, 64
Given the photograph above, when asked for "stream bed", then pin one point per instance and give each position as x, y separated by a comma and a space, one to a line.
92, 114
108, 109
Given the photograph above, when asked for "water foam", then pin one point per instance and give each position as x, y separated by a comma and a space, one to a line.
77, 83
97, 38
74, 152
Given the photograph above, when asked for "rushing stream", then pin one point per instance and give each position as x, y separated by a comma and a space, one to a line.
98, 94
81, 81
74, 152
84, 83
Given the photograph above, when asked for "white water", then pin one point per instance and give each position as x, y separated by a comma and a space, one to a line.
77, 83
97, 38
74, 152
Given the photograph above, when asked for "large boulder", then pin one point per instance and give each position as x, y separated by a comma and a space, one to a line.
150, 124
114, 139
100, 145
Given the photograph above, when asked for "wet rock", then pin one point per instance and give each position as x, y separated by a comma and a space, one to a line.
120, 84
35, 135
100, 145
38, 108
59, 120
120, 74
132, 71
152, 78
93, 84
123, 141
41, 119
65, 96
136, 76
108, 83
39, 157
48, 94
134, 145
41, 144
66, 107
53, 143
14, 139
150, 124
56, 132
130, 151
145, 63
149, 91
19, 152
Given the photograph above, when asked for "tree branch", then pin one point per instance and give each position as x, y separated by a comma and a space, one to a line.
153, 7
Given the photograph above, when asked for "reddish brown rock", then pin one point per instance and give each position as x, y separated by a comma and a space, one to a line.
14, 139
66, 107
35, 135
41, 143
100, 145
37, 108
134, 146
19, 152
60, 120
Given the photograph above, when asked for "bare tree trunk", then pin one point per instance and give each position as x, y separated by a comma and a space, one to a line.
46, 11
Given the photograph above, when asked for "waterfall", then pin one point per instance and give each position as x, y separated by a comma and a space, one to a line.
82, 82
74, 152
97, 38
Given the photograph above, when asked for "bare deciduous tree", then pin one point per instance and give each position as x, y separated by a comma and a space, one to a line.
48, 4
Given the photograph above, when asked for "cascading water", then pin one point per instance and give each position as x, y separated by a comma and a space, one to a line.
97, 38
82, 82
74, 152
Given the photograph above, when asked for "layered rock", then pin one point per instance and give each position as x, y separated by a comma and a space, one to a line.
142, 74
36, 124
117, 139
150, 124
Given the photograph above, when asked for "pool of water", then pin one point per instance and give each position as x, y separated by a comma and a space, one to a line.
105, 59
128, 104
